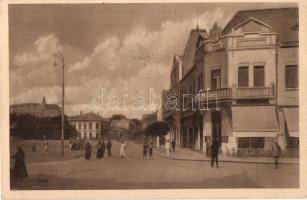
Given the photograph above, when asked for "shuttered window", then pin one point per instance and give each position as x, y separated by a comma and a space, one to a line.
243, 77
259, 76
291, 76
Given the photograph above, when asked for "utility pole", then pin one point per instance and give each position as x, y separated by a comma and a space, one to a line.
60, 56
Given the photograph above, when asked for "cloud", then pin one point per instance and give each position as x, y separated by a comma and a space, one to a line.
134, 63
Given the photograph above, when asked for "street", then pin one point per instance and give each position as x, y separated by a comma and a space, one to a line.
133, 172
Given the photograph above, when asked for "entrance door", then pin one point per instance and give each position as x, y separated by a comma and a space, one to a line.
216, 126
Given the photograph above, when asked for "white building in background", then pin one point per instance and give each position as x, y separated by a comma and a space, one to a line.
88, 125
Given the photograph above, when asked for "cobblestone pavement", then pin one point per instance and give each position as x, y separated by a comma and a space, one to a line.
134, 172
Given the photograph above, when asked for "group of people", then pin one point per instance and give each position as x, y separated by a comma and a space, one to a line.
101, 147
147, 149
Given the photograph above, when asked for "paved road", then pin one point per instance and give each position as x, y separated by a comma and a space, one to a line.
135, 173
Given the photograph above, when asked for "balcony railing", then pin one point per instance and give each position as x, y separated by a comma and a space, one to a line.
236, 93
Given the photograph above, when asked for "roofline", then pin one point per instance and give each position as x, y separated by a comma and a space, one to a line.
254, 10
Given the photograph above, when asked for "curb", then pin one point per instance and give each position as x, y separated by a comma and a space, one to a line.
230, 161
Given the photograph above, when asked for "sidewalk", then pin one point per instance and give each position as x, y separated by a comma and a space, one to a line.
191, 155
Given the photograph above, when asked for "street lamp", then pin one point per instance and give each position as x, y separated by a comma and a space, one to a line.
60, 56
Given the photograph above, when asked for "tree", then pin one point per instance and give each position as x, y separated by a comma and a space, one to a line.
118, 117
158, 128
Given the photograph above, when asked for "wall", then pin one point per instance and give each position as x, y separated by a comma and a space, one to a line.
286, 96
215, 60
252, 57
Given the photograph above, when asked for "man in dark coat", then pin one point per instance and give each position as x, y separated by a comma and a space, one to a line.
109, 147
103, 148
173, 144
20, 170
215, 152
99, 150
88, 151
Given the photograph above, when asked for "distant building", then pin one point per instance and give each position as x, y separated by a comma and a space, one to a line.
36, 109
119, 128
88, 125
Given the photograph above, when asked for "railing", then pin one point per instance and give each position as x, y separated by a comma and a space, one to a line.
260, 152
236, 93
255, 92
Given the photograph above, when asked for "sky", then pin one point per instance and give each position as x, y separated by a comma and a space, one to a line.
117, 57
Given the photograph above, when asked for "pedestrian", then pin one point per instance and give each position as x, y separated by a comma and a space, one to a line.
70, 143
46, 146
103, 148
207, 148
276, 153
33, 147
123, 149
145, 147
173, 144
215, 152
150, 148
99, 150
19, 170
109, 147
167, 147
88, 151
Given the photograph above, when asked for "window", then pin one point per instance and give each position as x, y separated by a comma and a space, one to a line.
251, 142
84, 126
259, 76
90, 126
215, 79
291, 76
243, 77
97, 125
293, 143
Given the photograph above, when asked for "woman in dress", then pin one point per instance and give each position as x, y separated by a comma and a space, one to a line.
123, 149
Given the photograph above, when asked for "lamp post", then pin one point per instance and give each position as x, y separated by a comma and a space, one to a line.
60, 56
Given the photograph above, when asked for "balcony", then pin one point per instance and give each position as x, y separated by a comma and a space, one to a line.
236, 93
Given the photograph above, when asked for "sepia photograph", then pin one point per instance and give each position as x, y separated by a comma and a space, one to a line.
147, 96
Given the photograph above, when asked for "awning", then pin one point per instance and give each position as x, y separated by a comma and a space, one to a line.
292, 120
255, 134
254, 119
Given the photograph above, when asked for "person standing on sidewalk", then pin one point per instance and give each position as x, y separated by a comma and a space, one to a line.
150, 149
109, 147
123, 149
167, 147
173, 144
88, 151
215, 152
276, 153
145, 147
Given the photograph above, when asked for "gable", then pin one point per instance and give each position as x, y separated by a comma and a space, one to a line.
252, 25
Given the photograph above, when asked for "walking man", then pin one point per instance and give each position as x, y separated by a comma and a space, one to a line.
276, 153
88, 151
215, 153
103, 148
109, 147
150, 149
173, 144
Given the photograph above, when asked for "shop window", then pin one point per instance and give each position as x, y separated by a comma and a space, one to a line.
293, 143
259, 76
251, 142
291, 76
243, 77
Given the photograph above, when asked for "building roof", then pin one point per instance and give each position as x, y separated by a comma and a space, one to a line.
86, 117
284, 21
